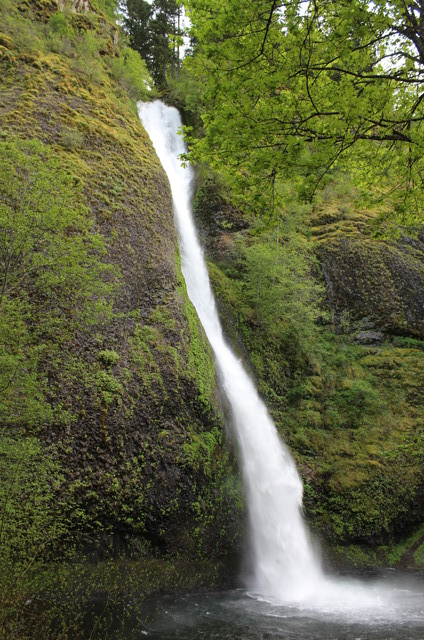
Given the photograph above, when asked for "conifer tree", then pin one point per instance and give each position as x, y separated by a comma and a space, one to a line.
152, 28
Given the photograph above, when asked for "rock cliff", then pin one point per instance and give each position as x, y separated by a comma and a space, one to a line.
142, 464
375, 284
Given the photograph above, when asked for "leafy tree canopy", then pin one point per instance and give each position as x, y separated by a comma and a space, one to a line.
302, 86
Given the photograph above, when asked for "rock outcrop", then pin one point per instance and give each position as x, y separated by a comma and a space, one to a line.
371, 283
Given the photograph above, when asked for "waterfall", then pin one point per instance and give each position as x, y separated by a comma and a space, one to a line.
285, 565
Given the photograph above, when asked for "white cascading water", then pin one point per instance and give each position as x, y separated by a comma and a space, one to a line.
285, 565
284, 560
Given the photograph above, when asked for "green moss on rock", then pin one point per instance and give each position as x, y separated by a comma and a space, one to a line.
349, 404
138, 388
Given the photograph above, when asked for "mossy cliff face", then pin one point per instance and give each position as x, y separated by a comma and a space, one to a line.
375, 293
345, 393
379, 285
137, 429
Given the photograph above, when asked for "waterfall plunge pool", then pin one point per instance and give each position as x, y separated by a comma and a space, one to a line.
390, 608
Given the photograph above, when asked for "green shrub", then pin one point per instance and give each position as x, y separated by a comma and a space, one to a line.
53, 281
277, 283
71, 139
131, 73
31, 528
108, 357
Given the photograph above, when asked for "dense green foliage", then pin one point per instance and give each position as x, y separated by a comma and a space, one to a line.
277, 285
273, 271
302, 87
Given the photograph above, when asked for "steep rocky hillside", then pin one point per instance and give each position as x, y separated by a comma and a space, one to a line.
130, 410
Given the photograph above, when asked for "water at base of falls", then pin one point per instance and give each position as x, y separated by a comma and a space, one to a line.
240, 615
286, 568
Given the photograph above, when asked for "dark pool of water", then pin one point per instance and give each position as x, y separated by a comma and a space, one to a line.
391, 608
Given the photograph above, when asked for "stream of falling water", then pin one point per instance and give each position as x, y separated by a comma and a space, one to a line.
284, 560
286, 567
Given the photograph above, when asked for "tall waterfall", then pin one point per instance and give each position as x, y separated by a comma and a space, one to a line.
285, 565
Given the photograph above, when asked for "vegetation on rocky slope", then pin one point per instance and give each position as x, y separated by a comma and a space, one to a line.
339, 365
111, 433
